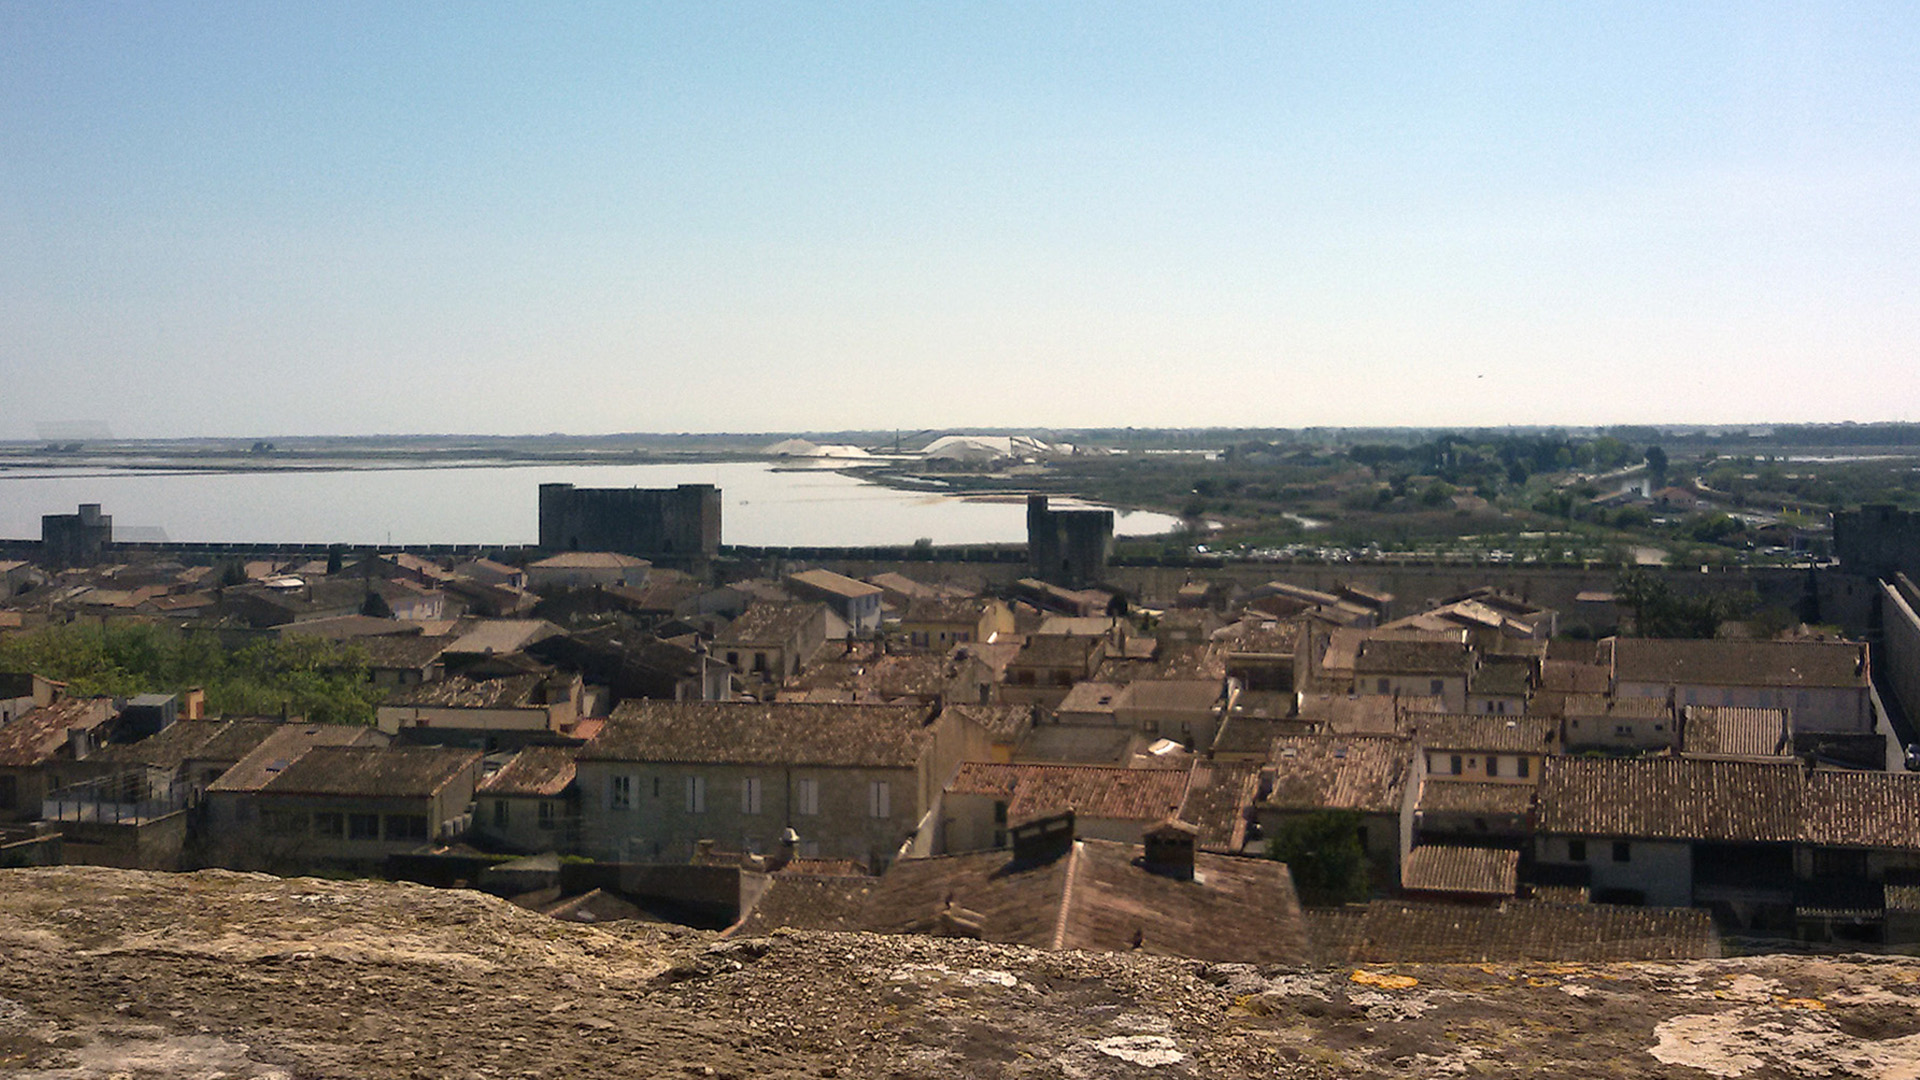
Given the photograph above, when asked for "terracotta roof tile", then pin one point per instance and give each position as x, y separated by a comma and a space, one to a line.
1399, 932
1500, 734
1339, 772
1090, 791
1471, 870
537, 771
778, 733
1671, 798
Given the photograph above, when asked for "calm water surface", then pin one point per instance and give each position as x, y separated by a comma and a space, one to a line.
497, 504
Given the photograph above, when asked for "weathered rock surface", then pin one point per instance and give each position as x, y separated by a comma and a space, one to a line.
107, 973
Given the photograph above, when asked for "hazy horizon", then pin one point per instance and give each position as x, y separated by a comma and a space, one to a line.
252, 220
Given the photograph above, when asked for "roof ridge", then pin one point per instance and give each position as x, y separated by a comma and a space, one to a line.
1066, 896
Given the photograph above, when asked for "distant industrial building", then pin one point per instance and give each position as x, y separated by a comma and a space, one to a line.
665, 525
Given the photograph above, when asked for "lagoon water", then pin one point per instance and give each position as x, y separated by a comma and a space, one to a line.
497, 504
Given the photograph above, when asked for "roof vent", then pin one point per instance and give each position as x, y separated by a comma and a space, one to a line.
1167, 849
1043, 839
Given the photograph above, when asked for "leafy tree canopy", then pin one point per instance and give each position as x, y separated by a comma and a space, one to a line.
322, 680
1324, 855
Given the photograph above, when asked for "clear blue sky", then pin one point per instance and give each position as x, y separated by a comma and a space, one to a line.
351, 218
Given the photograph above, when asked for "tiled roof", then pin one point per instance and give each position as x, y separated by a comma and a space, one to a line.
1090, 791
537, 771
768, 623
1173, 695
39, 733
806, 902
1505, 675
753, 733
1097, 898
1175, 660
1399, 932
235, 740
1735, 732
1500, 734
1365, 714
1339, 772
1572, 677
589, 560
1260, 638
1059, 650
1446, 868
461, 692
885, 678
945, 609
393, 772
1379, 657
408, 652
1740, 663
1474, 797
283, 747
498, 636
1671, 799
1000, 721
1632, 708
1218, 799
1244, 734
837, 584
1845, 808
165, 749
1091, 697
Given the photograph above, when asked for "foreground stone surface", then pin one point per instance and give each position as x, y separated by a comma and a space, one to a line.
107, 973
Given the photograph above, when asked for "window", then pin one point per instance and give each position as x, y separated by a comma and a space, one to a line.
499, 813
363, 826
656, 787
1455, 765
999, 813
750, 795
283, 822
1622, 852
1577, 850
1386, 685
696, 794
879, 799
1521, 765
9, 792
808, 797
1435, 686
330, 824
406, 826
1493, 766
1623, 730
620, 795
549, 816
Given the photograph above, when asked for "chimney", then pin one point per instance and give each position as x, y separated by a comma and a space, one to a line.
1168, 849
702, 850
1041, 840
194, 703
789, 844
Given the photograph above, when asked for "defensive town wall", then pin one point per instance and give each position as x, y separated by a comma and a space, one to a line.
1900, 641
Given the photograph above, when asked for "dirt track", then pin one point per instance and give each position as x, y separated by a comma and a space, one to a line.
109, 973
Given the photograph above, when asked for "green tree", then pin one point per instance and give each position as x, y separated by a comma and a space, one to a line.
321, 680
1657, 464
1324, 855
1660, 613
